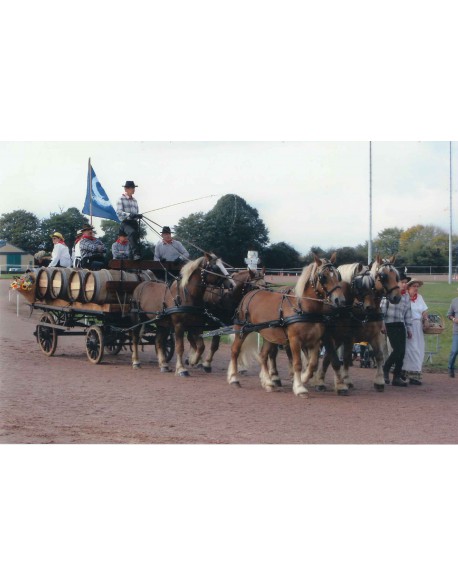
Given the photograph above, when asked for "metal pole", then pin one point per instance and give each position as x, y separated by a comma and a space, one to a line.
89, 178
450, 241
369, 248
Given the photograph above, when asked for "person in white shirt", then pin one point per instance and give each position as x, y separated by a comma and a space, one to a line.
60, 252
169, 249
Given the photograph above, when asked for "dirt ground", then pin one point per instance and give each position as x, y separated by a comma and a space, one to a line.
65, 399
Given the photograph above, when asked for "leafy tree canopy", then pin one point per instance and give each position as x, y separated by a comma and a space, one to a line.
229, 230
22, 229
67, 223
281, 255
388, 242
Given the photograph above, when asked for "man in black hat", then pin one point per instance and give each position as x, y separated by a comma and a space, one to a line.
398, 326
92, 249
168, 249
127, 212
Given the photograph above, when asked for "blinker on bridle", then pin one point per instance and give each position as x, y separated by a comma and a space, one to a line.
383, 278
322, 278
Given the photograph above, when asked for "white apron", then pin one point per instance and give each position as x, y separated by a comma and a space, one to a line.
415, 346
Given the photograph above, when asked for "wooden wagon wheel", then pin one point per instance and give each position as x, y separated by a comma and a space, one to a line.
169, 346
47, 337
94, 344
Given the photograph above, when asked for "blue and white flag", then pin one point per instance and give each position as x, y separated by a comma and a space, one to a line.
101, 205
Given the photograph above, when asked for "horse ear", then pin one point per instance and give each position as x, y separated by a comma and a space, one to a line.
392, 259
317, 259
333, 258
378, 259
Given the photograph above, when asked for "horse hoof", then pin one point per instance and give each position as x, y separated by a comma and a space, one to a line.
199, 366
342, 392
235, 383
277, 383
320, 388
183, 374
350, 385
165, 369
379, 387
303, 394
136, 366
207, 369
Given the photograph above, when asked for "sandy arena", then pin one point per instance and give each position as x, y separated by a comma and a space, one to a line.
65, 399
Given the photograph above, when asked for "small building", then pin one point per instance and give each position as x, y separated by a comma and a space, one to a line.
13, 259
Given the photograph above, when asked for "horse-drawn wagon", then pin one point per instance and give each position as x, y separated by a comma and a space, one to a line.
95, 305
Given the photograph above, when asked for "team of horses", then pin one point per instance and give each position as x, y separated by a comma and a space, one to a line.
329, 307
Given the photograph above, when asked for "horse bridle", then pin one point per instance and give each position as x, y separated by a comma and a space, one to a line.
383, 278
321, 278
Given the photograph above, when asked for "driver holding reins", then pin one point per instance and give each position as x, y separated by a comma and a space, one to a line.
127, 212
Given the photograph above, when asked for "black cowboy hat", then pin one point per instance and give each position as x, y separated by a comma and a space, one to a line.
122, 233
130, 184
166, 230
87, 227
403, 276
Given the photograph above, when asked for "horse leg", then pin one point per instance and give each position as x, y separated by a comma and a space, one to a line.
347, 361
161, 337
339, 383
272, 361
232, 375
313, 359
199, 350
179, 350
320, 375
299, 388
207, 364
135, 340
264, 374
377, 345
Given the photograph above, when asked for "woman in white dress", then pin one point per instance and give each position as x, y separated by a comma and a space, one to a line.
415, 346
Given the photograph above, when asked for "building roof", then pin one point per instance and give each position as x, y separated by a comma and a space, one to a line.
6, 247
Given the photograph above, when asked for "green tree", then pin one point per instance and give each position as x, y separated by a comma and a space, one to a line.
281, 256
230, 229
67, 223
22, 229
388, 242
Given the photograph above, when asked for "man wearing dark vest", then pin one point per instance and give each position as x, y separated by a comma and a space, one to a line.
127, 212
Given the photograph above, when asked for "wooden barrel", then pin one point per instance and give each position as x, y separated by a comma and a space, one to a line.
95, 285
59, 282
43, 282
76, 285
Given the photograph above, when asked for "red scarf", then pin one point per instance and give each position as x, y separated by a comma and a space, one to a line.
77, 240
122, 242
91, 238
61, 242
414, 298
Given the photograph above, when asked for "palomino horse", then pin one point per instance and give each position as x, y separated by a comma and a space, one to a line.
362, 320
179, 306
221, 303
294, 317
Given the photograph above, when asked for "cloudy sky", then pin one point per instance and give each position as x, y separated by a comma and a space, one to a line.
307, 193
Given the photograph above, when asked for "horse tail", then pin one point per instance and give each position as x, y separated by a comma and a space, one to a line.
249, 352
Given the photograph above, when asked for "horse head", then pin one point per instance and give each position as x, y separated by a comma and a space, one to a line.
324, 279
386, 278
363, 290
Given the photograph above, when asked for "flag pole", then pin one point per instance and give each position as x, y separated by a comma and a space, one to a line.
89, 176
369, 246
450, 237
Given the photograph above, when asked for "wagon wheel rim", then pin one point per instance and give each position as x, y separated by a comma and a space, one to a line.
169, 347
94, 344
115, 346
47, 337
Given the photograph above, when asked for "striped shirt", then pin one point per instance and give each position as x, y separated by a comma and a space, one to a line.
397, 312
126, 207
120, 250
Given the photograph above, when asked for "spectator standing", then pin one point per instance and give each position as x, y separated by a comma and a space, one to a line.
415, 346
452, 315
398, 327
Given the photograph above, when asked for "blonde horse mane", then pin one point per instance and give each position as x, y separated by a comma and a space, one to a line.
349, 270
308, 273
189, 269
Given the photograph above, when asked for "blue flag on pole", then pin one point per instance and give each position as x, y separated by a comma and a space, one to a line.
101, 205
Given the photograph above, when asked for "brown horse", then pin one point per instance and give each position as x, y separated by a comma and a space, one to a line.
221, 303
294, 317
362, 320
179, 306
